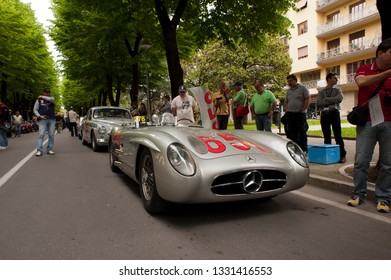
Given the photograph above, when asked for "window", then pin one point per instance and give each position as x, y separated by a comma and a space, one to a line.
356, 40
333, 19
333, 48
310, 76
352, 67
302, 52
357, 10
302, 28
335, 70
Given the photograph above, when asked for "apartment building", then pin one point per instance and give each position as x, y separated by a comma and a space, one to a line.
333, 36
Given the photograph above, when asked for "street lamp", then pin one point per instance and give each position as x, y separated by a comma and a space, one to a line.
145, 47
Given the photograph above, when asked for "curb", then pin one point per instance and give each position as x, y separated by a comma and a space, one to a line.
338, 185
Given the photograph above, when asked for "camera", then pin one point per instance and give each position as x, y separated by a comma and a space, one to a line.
218, 98
387, 99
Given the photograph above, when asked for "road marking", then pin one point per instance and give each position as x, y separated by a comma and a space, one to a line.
345, 207
18, 166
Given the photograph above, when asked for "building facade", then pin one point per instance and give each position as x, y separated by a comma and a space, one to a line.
333, 36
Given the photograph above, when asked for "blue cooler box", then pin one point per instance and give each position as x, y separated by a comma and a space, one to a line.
323, 153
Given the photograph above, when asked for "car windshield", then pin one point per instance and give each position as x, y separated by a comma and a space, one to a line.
111, 113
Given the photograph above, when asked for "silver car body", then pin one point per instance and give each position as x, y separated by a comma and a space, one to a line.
98, 123
219, 165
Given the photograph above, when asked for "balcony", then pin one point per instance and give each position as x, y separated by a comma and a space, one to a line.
345, 24
323, 6
348, 51
343, 81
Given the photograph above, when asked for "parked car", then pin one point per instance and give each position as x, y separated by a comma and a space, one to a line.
193, 164
99, 121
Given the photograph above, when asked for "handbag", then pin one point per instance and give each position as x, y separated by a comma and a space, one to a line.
359, 114
242, 111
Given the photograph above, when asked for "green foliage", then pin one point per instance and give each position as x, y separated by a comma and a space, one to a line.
26, 66
216, 63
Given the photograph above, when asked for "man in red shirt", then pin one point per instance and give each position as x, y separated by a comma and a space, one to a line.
368, 77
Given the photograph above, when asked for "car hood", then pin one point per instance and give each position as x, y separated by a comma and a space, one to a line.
211, 144
115, 121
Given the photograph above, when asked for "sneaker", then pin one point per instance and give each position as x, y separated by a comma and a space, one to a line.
38, 154
51, 153
383, 207
342, 160
355, 201
2, 148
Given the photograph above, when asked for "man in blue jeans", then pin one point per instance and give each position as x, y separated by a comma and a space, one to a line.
372, 78
262, 106
44, 110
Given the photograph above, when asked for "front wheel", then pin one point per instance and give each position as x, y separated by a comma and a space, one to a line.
94, 143
153, 203
112, 159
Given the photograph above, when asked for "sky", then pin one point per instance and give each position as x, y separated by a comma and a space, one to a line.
43, 14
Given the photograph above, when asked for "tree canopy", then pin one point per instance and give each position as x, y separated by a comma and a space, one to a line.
26, 66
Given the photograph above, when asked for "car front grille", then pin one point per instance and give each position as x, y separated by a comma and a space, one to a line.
234, 183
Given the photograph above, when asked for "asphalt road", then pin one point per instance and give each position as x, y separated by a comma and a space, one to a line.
71, 206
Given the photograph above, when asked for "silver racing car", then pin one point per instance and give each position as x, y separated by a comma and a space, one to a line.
193, 164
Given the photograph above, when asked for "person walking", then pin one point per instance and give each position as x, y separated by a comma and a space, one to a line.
44, 110
262, 107
17, 120
183, 106
73, 116
329, 100
221, 103
4, 115
166, 107
369, 79
240, 99
296, 103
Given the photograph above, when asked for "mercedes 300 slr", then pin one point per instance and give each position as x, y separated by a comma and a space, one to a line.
193, 164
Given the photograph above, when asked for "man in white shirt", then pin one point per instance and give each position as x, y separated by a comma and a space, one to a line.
183, 106
73, 116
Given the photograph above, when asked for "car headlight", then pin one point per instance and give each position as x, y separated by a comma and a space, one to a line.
181, 159
102, 130
297, 154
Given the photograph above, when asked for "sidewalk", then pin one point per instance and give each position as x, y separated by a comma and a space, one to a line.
334, 176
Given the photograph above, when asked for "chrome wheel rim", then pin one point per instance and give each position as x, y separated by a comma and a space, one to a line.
147, 178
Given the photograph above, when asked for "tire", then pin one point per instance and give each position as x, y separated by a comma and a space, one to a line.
94, 144
152, 202
112, 159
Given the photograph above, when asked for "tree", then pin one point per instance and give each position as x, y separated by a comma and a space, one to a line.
217, 63
26, 66
235, 22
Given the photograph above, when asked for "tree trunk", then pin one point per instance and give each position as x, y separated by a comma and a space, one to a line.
169, 28
384, 7
109, 90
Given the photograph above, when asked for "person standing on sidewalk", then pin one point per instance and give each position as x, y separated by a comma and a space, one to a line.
73, 116
296, 104
44, 110
240, 99
221, 102
368, 77
328, 101
262, 107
